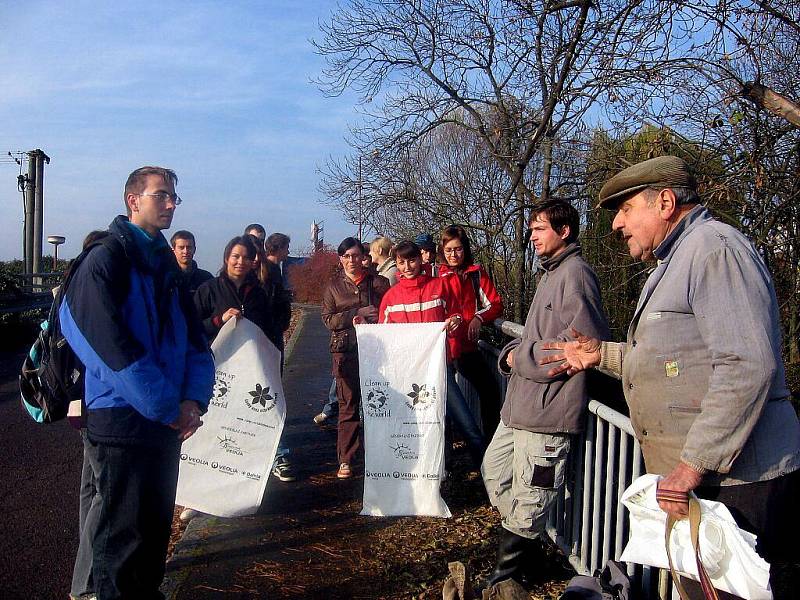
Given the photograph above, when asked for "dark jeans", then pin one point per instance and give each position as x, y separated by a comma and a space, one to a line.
458, 410
82, 571
769, 510
131, 517
348, 392
472, 367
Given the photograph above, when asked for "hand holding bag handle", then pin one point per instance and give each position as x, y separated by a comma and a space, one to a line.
694, 527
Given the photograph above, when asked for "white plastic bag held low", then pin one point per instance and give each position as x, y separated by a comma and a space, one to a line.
226, 464
403, 392
729, 554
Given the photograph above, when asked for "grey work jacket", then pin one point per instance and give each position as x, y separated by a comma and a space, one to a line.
567, 296
702, 369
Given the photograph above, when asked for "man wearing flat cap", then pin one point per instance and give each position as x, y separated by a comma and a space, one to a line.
701, 368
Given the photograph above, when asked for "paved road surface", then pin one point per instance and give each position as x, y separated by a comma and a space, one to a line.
40, 466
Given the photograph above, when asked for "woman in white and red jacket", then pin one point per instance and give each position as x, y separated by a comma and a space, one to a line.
478, 302
419, 298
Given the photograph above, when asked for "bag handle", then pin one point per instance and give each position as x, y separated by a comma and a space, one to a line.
709, 593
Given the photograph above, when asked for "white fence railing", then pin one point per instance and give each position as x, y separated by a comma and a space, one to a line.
588, 522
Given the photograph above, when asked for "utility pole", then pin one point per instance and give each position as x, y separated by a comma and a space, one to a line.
38, 212
360, 207
27, 243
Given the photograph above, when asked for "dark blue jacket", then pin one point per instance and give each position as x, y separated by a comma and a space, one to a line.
135, 329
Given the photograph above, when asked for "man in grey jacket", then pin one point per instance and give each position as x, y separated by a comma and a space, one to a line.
524, 465
701, 369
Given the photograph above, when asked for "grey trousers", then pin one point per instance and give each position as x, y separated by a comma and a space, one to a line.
82, 572
523, 472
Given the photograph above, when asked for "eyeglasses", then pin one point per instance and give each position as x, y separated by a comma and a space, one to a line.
459, 250
162, 197
352, 257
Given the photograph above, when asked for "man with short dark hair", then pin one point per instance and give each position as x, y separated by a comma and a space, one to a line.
183, 245
524, 465
149, 375
701, 369
276, 246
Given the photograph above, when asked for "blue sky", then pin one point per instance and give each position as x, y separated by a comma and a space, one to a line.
218, 91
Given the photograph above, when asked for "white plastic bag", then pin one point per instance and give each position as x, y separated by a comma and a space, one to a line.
226, 463
403, 392
728, 552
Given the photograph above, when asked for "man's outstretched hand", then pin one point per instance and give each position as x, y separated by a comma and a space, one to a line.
581, 354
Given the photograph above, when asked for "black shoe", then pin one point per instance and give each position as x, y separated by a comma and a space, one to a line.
510, 552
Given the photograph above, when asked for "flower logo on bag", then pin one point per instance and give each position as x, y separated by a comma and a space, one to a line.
260, 399
421, 396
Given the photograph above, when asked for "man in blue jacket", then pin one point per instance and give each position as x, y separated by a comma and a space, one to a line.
149, 375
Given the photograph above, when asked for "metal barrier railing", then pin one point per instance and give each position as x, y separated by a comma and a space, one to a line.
588, 522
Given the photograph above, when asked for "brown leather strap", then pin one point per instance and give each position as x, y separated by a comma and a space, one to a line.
709, 593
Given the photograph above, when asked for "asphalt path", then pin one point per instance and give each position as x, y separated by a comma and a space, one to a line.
40, 466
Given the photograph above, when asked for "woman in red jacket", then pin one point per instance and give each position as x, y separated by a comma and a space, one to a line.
478, 302
419, 298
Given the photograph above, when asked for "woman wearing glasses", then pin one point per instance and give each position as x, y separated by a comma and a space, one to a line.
353, 296
478, 302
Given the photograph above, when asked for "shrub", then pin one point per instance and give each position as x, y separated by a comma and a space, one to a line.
310, 278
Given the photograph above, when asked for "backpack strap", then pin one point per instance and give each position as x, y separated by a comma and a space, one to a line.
475, 278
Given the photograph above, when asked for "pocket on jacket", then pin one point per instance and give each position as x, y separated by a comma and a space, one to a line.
545, 460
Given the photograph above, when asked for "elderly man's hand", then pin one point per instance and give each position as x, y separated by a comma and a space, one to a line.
680, 481
576, 356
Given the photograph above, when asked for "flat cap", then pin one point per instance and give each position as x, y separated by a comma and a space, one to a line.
661, 172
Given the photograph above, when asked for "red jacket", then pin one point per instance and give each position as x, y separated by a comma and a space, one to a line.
489, 308
420, 300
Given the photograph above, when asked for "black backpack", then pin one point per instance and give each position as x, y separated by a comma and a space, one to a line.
52, 375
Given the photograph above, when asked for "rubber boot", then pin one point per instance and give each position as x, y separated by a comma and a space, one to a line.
510, 552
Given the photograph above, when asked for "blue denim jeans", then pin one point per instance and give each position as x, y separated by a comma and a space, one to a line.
131, 517
331, 407
459, 411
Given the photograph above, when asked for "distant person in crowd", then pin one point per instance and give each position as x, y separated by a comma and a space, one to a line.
526, 461
428, 249
701, 369
419, 298
276, 250
149, 375
82, 584
184, 247
257, 231
381, 252
369, 266
351, 293
479, 303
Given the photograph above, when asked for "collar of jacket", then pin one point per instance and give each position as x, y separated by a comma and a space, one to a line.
367, 277
445, 269
699, 214
387, 264
418, 282
147, 253
552, 262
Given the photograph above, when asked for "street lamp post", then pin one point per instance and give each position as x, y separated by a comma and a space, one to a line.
56, 240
